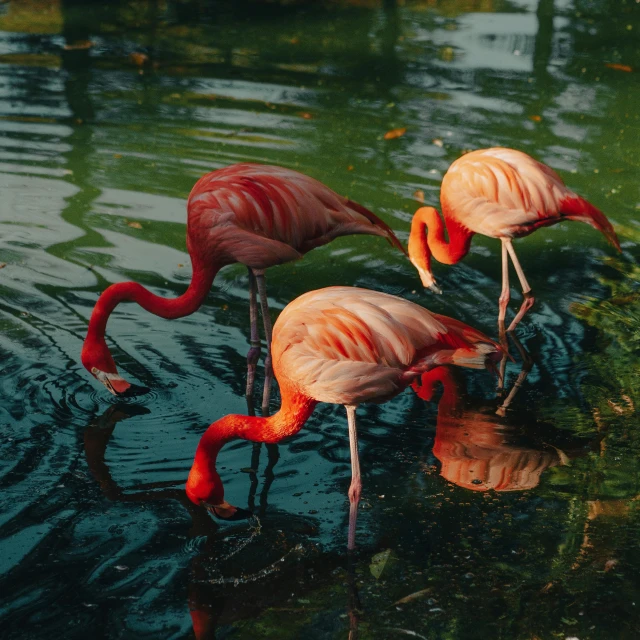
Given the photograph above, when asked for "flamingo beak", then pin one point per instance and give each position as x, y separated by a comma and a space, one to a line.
226, 511
117, 385
428, 281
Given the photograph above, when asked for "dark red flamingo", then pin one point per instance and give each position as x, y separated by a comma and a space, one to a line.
257, 215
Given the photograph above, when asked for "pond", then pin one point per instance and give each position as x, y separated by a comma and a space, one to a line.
109, 113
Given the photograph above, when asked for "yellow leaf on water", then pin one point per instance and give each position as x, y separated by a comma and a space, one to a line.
3, 265
395, 133
419, 195
619, 67
413, 596
134, 225
535, 118
438, 142
379, 562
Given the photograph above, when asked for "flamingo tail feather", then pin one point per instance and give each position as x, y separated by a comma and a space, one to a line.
577, 208
378, 222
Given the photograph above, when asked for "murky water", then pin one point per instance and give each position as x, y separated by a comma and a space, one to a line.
98, 151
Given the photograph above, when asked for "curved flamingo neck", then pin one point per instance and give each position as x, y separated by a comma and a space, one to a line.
451, 393
427, 238
204, 483
94, 347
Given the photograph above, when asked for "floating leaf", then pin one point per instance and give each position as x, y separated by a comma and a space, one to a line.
305, 115
3, 265
419, 195
134, 225
138, 58
413, 596
379, 562
395, 133
438, 142
79, 45
535, 118
619, 67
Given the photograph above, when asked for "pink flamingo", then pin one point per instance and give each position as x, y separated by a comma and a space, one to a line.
344, 346
258, 215
500, 193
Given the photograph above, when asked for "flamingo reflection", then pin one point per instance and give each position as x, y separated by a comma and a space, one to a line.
207, 597
479, 450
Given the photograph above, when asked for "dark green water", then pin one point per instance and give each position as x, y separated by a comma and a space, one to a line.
97, 538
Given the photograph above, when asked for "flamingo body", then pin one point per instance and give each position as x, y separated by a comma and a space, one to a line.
263, 215
346, 346
504, 193
258, 215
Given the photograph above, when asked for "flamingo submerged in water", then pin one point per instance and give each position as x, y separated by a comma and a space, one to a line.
258, 215
500, 193
345, 346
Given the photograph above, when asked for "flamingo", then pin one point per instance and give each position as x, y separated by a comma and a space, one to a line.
500, 193
258, 215
344, 346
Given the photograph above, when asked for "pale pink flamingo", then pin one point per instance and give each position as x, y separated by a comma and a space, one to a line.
500, 193
257, 215
344, 346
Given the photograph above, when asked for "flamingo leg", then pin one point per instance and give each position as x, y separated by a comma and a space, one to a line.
527, 363
268, 329
254, 351
505, 296
356, 483
273, 455
528, 301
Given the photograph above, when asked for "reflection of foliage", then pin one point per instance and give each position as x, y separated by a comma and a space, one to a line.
619, 316
32, 16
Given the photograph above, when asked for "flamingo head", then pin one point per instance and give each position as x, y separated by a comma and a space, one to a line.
97, 360
204, 486
419, 252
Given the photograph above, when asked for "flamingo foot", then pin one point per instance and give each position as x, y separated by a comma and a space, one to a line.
227, 512
527, 303
117, 385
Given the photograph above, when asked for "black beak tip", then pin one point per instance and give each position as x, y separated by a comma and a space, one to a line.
239, 514
134, 391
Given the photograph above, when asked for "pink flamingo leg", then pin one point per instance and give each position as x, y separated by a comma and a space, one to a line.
268, 330
528, 301
356, 483
527, 363
254, 351
505, 296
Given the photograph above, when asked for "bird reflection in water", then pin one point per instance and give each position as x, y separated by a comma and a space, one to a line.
219, 552
480, 450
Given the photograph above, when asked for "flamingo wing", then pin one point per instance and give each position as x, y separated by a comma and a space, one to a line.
502, 193
347, 345
272, 204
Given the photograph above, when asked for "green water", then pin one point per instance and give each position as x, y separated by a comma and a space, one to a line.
97, 156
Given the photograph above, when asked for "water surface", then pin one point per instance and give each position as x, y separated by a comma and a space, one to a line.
98, 151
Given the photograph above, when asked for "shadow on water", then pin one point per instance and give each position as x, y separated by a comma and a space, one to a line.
108, 115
